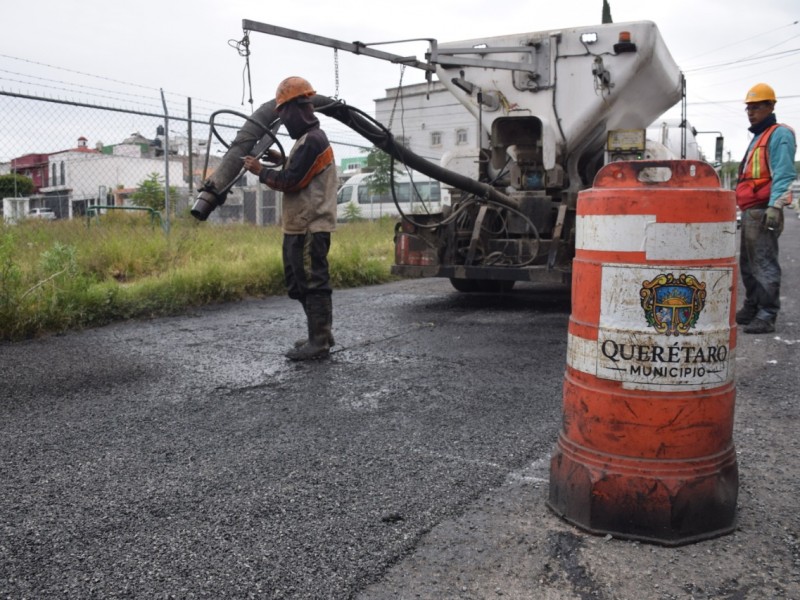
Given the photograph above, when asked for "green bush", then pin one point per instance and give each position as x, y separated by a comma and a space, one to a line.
14, 185
352, 212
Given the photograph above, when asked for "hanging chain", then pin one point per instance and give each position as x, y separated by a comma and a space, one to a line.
336, 72
396, 97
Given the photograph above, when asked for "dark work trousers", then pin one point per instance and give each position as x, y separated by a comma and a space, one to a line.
758, 265
305, 264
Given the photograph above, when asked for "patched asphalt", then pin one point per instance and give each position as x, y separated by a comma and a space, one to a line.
185, 457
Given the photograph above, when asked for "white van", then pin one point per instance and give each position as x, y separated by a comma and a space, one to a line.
355, 197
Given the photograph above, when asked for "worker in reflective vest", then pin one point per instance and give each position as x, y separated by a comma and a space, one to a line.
765, 177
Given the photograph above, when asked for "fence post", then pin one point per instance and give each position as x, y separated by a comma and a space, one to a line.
166, 164
190, 148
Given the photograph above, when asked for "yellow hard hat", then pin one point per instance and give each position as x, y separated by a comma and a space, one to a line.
759, 93
291, 88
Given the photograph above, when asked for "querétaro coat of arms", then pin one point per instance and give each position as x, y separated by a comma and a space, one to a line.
672, 306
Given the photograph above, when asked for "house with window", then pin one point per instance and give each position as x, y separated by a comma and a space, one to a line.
352, 165
69, 181
34, 167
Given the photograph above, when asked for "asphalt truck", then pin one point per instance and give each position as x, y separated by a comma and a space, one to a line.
553, 107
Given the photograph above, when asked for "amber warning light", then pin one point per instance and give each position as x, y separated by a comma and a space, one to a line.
624, 44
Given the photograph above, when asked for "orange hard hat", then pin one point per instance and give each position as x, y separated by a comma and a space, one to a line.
759, 93
292, 88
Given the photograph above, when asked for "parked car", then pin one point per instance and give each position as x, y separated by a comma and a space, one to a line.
42, 213
416, 194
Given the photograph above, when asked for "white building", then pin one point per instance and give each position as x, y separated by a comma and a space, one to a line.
82, 177
427, 119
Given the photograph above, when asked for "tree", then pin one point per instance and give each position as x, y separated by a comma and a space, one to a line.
606, 13
352, 212
381, 164
15, 185
150, 193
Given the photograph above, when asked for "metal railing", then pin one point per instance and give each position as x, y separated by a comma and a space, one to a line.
95, 212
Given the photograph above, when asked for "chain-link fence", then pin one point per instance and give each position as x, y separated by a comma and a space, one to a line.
84, 159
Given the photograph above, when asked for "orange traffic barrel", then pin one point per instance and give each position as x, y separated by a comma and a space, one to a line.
646, 447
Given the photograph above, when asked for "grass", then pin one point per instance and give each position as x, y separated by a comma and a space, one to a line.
61, 275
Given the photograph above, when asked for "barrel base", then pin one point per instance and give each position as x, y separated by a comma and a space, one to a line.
652, 501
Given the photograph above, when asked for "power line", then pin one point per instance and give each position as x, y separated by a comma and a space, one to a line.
774, 46
739, 62
33, 62
62, 89
739, 101
76, 85
737, 42
103, 78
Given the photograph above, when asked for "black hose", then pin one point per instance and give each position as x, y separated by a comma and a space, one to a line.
214, 189
382, 138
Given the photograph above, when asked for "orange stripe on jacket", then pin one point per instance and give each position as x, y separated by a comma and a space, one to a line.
322, 162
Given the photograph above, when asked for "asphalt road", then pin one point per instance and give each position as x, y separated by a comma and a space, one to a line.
186, 458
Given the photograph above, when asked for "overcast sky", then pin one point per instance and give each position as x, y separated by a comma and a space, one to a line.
129, 51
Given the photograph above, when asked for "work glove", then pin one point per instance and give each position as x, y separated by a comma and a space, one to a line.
772, 218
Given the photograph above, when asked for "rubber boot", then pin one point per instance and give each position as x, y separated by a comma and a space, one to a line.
302, 341
319, 311
746, 314
298, 343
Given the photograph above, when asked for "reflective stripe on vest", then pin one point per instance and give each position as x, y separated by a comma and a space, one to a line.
755, 178
758, 161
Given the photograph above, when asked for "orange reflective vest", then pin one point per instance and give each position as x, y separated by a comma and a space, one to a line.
755, 179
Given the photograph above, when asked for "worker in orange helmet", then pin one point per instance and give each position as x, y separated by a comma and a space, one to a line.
764, 186
309, 183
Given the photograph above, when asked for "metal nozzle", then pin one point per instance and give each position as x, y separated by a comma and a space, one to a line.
204, 205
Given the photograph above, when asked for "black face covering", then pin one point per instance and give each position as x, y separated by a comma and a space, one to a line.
298, 117
762, 126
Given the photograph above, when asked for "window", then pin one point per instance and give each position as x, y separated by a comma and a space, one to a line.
344, 194
426, 191
461, 136
63, 179
436, 138
367, 196
53, 178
